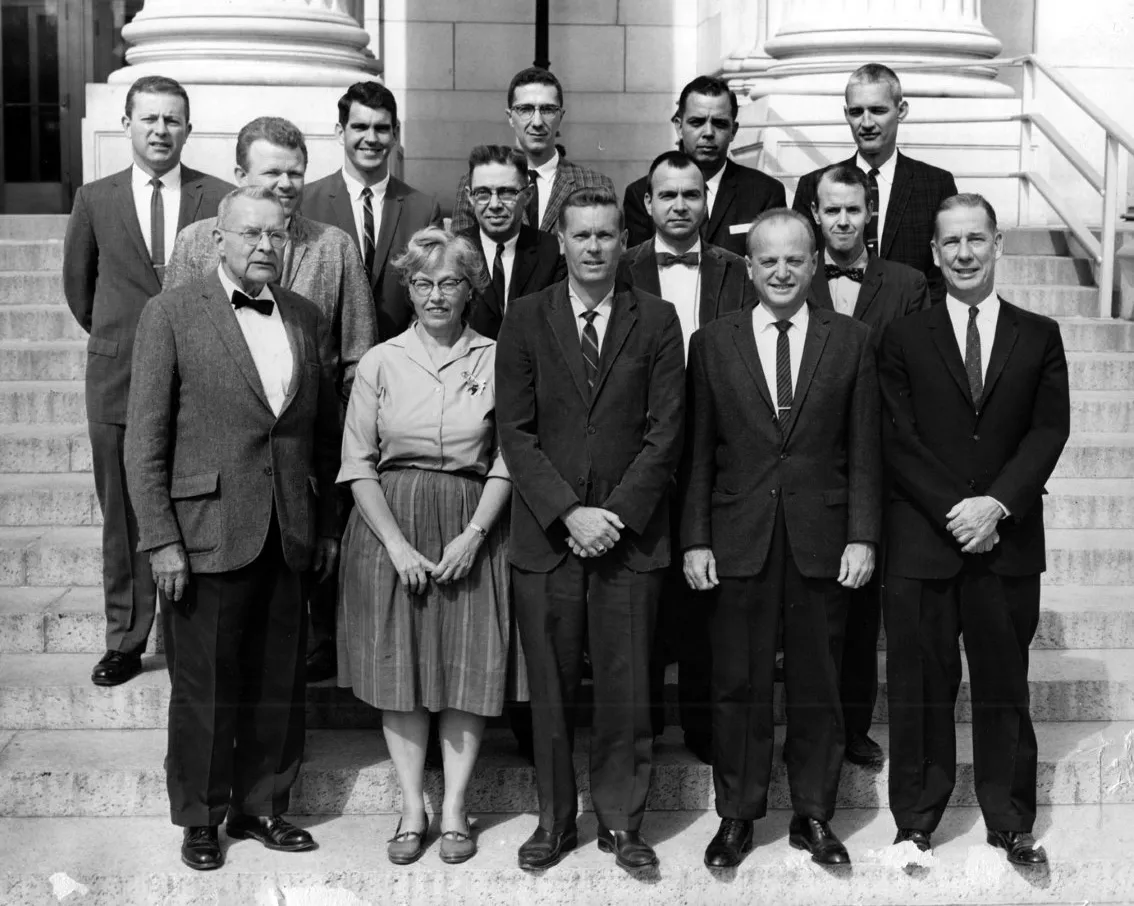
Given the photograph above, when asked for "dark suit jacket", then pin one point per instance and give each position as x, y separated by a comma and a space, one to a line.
917, 193
940, 449
536, 266
108, 277
405, 210
206, 458
617, 449
824, 467
725, 286
744, 194
889, 291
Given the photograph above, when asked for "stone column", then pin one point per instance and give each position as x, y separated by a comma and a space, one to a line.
745, 25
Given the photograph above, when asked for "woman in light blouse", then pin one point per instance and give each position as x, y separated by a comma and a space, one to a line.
424, 622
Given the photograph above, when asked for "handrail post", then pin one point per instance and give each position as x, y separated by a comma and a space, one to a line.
1109, 227
1027, 106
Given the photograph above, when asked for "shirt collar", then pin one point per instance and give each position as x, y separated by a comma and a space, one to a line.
763, 318
230, 287
509, 244
885, 172
547, 171
139, 178
713, 183
603, 308
861, 261
660, 245
989, 306
354, 187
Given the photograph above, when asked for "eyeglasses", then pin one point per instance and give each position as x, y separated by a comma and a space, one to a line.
526, 111
277, 238
449, 286
507, 194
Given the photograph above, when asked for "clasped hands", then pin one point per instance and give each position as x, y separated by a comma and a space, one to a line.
592, 530
973, 524
855, 568
415, 569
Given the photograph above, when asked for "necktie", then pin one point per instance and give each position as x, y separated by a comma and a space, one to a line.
872, 223
590, 348
690, 259
783, 370
368, 232
972, 357
851, 273
241, 300
157, 228
533, 201
498, 275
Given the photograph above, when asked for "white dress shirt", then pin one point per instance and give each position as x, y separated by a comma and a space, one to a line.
844, 291
885, 186
545, 179
170, 200
767, 336
488, 244
378, 196
712, 186
988, 311
267, 341
681, 287
601, 321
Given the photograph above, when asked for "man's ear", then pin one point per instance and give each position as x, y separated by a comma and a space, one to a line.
240, 173
903, 110
815, 212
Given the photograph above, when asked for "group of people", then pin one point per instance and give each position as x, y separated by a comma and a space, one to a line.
563, 435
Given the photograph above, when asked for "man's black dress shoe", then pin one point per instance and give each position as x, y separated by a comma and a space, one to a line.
630, 850
863, 750
1020, 845
732, 842
200, 848
544, 849
918, 838
275, 833
816, 836
322, 664
701, 745
116, 667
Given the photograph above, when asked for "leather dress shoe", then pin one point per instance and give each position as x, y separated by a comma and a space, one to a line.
701, 745
200, 848
918, 838
817, 836
1020, 845
732, 842
630, 850
544, 849
863, 750
322, 664
116, 667
274, 832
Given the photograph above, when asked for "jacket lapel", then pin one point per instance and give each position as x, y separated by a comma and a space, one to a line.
644, 269
527, 256
1007, 330
339, 197
296, 250
124, 198
391, 214
298, 347
623, 317
712, 280
871, 284
218, 308
191, 192
899, 195
561, 187
820, 293
941, 329
746, 345
726, 197
487, 296
562, 321
813, 343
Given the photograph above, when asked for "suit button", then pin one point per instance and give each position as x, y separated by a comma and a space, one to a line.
267, 470
774, 493
976, 437
580, 481
783, 456
972, 482
591, 429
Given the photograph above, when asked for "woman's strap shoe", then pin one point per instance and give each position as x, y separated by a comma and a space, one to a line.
458, 846
405, 847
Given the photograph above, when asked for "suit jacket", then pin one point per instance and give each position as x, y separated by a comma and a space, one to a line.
725, 286
207, 460
823, 466
889, 291
405, 210
108, 276
536, 266
940, 448
568, 178
917, 193
617, 448
320, 265
744, 194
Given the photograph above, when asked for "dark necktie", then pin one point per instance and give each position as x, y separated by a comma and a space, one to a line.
368, 232
872, 225
972, 357
783, 370
851, 273
691, 259
157, 228
241, 300
498, 275
533, 200
590, 348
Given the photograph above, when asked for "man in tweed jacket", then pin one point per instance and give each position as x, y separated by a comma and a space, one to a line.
535, 111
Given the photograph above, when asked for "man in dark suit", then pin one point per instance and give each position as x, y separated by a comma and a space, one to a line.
703, 282
875, 292
905, 193
978, 412
119, 237
521, 259
231, 458
706, 124
590, 405
781, 505
535, 112
377, 210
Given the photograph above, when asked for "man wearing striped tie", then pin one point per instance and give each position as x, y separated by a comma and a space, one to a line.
781, 499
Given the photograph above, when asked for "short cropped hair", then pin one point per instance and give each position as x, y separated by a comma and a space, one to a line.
433, 245
679, 160
843, 175
256, 193
590, 197
156, 85
966, 200
498, 154
875, 73
780, 215
275, 130
534, 76
374, 95
710, 86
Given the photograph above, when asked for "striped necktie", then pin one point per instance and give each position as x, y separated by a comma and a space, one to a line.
590, 345
368, 232
783, 371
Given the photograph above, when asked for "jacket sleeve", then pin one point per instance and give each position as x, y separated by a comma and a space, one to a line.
864, 453
328, 436
695, 479
80, 263
357, 330
638, 223
463, 218
190, 258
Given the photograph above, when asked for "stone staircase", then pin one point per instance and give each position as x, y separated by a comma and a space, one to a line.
83, 811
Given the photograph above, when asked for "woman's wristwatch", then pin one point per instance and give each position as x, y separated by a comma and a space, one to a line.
480, 530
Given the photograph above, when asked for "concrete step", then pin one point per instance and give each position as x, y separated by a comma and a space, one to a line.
1071, 503
49, 500
31, 254
43, 360
39, 322
1071, 617
1097, 335
33, 226
1042, 240
1055, 301
45, 448
135, 862
42, 402
1088, 557
1090, 370
1044, 270
1098, 410
31, 288
1097, 456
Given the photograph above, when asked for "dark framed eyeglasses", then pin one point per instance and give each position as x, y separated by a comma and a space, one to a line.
277, 238
526, 111
449, 286
507, 194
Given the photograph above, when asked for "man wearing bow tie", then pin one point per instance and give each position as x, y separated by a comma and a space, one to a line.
231, 457
875, 291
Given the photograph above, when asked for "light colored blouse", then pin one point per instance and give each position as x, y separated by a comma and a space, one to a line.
406, 413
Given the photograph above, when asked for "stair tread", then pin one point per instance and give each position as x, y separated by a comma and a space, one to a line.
1087, 487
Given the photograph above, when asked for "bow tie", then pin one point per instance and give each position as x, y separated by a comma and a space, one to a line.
690, 259
851, 273
240, 300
